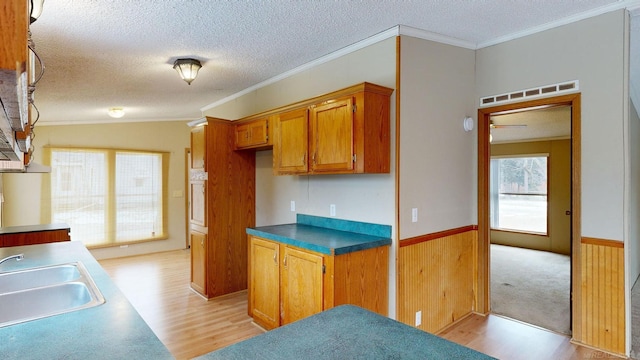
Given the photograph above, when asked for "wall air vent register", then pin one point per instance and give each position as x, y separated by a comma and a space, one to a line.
520, 95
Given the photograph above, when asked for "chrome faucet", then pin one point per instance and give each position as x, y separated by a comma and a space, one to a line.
17, 257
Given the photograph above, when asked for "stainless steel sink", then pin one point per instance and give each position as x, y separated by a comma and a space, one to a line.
37, 277
41, 292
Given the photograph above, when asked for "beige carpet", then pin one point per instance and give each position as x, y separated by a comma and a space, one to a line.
531, 286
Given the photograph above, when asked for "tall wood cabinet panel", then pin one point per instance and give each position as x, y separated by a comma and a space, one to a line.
225, 186
290, 148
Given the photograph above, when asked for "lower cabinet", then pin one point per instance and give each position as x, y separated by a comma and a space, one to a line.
288, 283
264, 282
302, 284
199, 262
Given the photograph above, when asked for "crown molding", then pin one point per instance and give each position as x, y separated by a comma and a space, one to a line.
427, 35
633, 6
331, 56
623, 4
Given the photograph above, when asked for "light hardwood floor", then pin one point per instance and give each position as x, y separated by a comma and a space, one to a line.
158, 287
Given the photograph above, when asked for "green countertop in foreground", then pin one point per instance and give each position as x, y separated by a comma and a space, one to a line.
345, 332
113, 330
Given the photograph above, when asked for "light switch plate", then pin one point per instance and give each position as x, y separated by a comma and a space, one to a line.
293, 205
414, 215
332, 210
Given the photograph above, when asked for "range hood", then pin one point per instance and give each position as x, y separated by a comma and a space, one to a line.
7, 166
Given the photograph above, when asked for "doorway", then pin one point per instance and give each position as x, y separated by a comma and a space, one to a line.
484, 193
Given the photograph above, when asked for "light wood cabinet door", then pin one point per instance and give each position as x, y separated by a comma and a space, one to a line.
252, 134
198, 203
199, 262
291, 142
302, 285
264, 295
198, 147
331, 136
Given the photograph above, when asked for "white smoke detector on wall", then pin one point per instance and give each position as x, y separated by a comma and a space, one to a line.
467, 123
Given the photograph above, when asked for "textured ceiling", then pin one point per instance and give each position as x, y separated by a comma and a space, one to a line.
546, 124
100, 54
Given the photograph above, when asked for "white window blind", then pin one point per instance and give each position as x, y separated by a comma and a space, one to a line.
109, 197
519, 188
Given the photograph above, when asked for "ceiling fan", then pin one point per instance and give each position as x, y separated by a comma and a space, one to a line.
496, 126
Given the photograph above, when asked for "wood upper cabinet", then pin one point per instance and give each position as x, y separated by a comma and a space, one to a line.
302, 284
346, 132
198, 147
252, 134
199, 262
290, 150
331, 136
264, 294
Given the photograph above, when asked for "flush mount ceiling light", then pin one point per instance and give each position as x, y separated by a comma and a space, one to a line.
116, 112
35, 10
187, 68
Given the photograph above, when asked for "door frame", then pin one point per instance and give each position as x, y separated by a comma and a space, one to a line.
187, 197
483, 304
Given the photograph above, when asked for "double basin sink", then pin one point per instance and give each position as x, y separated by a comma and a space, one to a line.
40, 292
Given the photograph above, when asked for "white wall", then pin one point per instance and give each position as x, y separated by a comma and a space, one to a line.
364, 197
22, 191
591, 51
437, 157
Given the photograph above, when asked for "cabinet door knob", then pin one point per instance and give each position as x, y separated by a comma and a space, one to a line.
275, 257
202, 242
285, 261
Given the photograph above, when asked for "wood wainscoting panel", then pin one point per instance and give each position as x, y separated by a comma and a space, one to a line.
602, 312
437, 277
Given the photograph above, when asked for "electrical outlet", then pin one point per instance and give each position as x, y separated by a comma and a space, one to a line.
293, 205
332, 210
419, 318
414, 215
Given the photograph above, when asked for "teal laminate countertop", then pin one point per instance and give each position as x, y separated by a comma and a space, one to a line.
326, 235
346, 332
113, 330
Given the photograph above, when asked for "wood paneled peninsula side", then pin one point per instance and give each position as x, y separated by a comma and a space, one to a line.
34, 234
297, 270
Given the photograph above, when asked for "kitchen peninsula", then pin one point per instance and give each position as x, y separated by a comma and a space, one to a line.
113, 330
297, 270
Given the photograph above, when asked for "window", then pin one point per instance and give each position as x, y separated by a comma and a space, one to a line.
109, 197
519, 194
